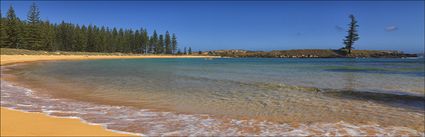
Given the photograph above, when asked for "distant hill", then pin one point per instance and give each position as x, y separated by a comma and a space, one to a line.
310, 53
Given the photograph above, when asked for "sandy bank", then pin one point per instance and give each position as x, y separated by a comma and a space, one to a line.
10, 59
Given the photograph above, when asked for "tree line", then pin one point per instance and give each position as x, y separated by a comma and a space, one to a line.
35, 34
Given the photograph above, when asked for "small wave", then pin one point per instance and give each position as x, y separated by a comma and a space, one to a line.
377, 71
393, 98
24, 105
124, 119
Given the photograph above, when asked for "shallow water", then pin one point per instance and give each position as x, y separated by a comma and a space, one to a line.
247, 96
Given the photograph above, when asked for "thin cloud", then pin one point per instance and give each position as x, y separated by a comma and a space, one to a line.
391, 28
339, 28
298, 34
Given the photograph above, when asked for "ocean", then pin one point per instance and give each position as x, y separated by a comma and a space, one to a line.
227, 96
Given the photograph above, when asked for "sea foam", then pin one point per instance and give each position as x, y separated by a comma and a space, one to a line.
124, 119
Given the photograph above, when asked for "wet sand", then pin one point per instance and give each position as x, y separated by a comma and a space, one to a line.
17, 123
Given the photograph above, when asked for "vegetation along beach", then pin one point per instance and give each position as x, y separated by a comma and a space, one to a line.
212, 68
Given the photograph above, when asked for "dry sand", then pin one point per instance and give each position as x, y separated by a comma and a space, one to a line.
10, 59
17, 123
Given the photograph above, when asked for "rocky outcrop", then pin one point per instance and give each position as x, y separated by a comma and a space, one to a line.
311, 53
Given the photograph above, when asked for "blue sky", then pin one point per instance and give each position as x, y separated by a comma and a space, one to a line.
394, 25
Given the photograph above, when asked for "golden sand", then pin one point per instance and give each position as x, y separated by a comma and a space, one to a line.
10, 59
17, 123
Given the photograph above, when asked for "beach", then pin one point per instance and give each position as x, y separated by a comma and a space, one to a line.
202, 69
18, 123
169, 95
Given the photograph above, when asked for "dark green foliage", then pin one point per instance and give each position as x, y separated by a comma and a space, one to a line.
144, 41
352, 35
3, 34
47, 38
35, 34
185, 51
13, 30
168, 48
174, 44
33, 29
80, 41
190, 50
13, 51
153, 43
160, 45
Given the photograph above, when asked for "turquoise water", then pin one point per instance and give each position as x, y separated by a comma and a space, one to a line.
386, 92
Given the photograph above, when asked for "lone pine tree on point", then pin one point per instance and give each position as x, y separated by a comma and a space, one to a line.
352, 34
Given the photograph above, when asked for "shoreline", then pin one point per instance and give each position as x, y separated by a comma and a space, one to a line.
17, 122
81, 121
312, 53
13, 59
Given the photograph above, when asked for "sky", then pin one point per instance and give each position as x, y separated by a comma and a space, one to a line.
251, 25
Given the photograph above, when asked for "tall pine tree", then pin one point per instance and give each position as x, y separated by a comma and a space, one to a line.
3, 34
13, 30
185, 51
114, 40
145, 41
42, 35
160, 46
352, 36
80, 38
33, 33
153, 42
174, 44
47, 36
168, 49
